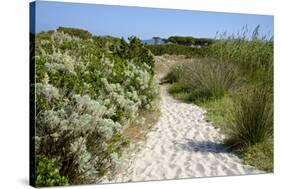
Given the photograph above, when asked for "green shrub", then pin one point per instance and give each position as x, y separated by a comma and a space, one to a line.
135, 50
252, 117
47, 174
87, 90
78, 135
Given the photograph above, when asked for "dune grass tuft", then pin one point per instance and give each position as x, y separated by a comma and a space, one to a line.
252, 117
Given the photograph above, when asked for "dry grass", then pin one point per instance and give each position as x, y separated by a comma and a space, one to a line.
164, 64
139, 127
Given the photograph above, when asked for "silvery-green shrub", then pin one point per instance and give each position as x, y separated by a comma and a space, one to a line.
87, 89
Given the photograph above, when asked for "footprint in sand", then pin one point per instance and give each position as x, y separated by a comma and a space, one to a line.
191, 140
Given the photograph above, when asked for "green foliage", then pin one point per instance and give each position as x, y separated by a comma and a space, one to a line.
219, 111
177, 87
206, 78
189, 46
175, 74
82, 34
175, 49
181, 40
135, 50
187, 40
252, 121
252, 117
254, 56
235, 84
260, 155
47, 174
87, 90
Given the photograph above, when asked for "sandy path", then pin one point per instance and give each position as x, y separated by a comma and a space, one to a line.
182, 145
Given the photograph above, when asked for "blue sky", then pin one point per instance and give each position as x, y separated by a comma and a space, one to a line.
122, 21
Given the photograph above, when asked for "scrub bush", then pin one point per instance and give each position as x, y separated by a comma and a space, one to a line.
87, 89
47, 174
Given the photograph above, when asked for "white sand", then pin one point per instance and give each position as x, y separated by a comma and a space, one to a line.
182, 145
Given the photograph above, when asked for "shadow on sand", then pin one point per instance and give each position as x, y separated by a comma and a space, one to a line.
202, 146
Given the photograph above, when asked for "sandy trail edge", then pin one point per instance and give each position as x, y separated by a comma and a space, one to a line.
182, 145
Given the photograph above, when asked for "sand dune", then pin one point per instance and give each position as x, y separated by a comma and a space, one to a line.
182, 145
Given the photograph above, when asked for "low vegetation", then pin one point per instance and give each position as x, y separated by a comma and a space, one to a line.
219, 111
253, 115
253, 55
234, 82
88, 89
205, 78
47, 174
176, 49
260, 155
188, 40
95, 95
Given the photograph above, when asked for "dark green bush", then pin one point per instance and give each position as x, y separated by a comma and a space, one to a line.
135, 50
175, 49
47, 174
187, 40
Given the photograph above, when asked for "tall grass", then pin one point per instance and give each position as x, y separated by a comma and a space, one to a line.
253, 53
253, 114
240, 66
210, 78
175, 74
253, 117
205, 78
